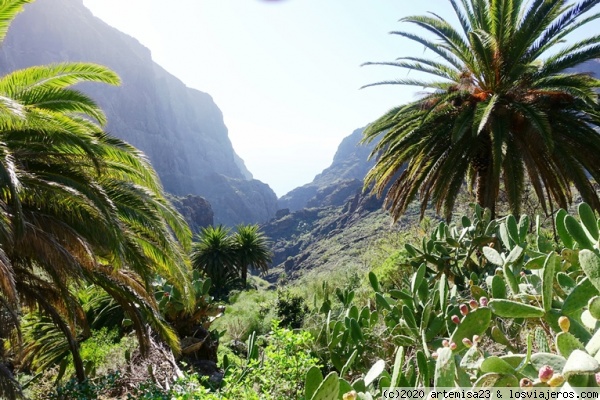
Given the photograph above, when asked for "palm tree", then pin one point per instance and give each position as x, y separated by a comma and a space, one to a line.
252, 251
503, 107
78, 206
225, 258
215, 254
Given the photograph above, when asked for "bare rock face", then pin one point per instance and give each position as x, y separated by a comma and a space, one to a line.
338, 183
196, 210
180, 129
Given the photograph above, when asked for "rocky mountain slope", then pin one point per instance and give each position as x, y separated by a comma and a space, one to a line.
326, 223
337, 183
179, 128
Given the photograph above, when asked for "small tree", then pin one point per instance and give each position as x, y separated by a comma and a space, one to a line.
252, 250
215, 254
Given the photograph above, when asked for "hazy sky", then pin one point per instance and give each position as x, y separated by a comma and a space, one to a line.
286, 73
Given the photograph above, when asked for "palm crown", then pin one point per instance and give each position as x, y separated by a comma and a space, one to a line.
502, 108
78, 205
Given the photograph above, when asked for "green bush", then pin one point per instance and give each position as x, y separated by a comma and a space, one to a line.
291, 309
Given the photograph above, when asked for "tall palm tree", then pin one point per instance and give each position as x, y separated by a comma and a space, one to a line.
77, 205
215, 254
252, 250
503, 106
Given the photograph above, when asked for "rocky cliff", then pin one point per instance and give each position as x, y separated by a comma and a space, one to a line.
196, 210
338, 183
317, 223
179, 128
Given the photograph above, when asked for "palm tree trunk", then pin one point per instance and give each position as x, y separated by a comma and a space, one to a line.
244, 275
481, 196
483, 182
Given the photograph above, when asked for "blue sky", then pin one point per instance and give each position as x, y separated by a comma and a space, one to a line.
285, 73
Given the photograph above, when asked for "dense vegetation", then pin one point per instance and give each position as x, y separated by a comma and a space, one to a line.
103, 294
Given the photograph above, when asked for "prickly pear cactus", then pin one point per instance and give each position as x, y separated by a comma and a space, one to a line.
474, 323
328, 389
445, 368
512, 309
313, 379
566, 343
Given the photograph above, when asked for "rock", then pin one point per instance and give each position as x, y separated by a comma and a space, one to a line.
196, 210
337, 183
282, 213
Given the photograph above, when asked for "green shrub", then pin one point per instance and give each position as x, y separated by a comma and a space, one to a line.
291, 309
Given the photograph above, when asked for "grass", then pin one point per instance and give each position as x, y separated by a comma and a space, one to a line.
247, 312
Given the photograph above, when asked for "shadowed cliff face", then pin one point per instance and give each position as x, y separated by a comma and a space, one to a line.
180, 129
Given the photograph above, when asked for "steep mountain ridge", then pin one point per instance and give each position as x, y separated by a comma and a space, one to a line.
337, 183
325, 224
328, 221
180, 129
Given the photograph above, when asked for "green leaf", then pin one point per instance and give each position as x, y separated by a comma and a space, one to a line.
443, 290
576, 231
328, 389
551, 265
580, 363
588, 218
382, 302
514, 255
503, 231
374, 282
538, 360
348, 364
417, 278
513, 229
482, 117
511, 279
374, 372
498, 287
566, 343
465, 221
512, 309
345, 387
496, 365
593, 345
487, 380
422, 366
523, 228
445, 368
356, 331
566, 283
493, 256
561, 229
505, 381
535, 263
474, 323
500, 337
312, 381
590, 263
398, 364
579, 296
579, 331
594, 307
